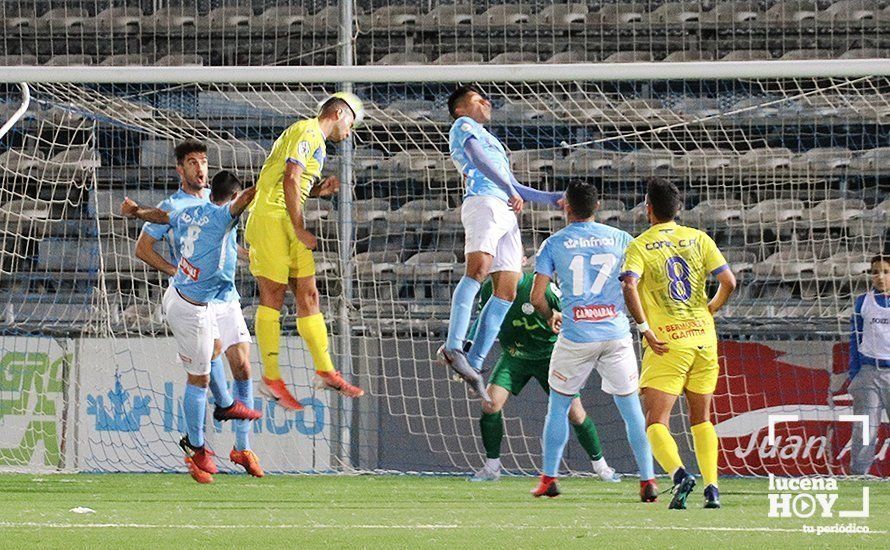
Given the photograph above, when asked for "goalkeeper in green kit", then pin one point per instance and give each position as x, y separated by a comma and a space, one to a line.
527, 341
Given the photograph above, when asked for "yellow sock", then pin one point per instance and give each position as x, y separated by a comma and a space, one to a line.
704, 438
268, 337
664, 448
315, 334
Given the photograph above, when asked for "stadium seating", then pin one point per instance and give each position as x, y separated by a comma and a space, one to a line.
281, 18
676, 12
504, 15
561, 16
406, 193
732, 13
118, 19
62, 20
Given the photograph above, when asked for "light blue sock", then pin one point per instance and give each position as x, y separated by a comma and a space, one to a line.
461, 310
490, 321
556, 431
195, 406
635, 425
244, 393
219, 386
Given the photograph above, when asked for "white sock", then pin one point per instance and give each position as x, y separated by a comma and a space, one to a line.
493, 464
600, 465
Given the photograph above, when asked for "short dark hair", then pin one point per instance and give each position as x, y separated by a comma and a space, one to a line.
880, 258
224, 186
582, 198
187, 147
457, 96
664, 197
332, 105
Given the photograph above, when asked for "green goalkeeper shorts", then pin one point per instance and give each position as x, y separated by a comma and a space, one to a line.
513, 374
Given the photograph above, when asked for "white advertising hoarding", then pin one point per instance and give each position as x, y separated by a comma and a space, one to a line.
130, 415
33, 416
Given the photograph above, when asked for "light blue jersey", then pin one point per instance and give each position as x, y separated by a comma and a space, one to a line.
477, 184
177, 201
586, 258
206, 235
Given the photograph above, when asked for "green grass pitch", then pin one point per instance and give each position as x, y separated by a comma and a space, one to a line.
163, 510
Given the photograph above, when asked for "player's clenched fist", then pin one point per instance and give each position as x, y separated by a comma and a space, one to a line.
129, 208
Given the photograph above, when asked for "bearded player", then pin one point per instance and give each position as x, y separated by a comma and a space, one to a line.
281, 246
663, 281
191, 166
195, 301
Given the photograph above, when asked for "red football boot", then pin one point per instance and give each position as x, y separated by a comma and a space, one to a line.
236, 411
248, 460
199, 461
331, 380
277, 391
547, 487
648, 491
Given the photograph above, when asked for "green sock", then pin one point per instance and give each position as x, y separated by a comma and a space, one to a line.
492, 433
589, 439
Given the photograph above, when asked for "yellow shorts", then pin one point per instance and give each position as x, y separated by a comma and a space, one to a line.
275, 251
694, 368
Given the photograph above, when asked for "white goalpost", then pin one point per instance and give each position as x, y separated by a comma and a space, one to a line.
784, 163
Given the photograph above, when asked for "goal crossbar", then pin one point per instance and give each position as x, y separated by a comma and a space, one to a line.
697, 70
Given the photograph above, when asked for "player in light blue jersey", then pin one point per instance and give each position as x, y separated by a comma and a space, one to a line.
493, 244
202, 291
191, 165
585, 259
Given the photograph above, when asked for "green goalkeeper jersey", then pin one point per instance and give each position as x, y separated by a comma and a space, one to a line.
524, 333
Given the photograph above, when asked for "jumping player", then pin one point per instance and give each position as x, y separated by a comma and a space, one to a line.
191, 165
281, 246
206, 273
493, 245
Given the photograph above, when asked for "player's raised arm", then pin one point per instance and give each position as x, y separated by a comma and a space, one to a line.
130, 209
242, 201
293, 203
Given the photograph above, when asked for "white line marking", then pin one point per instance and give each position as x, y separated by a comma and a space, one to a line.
435, 526
774, 419
858, 418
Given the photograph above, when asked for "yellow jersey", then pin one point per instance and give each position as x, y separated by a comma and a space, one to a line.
302, 143
672, 263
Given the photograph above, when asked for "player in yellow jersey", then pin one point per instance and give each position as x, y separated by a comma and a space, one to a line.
281, 246
664, 276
